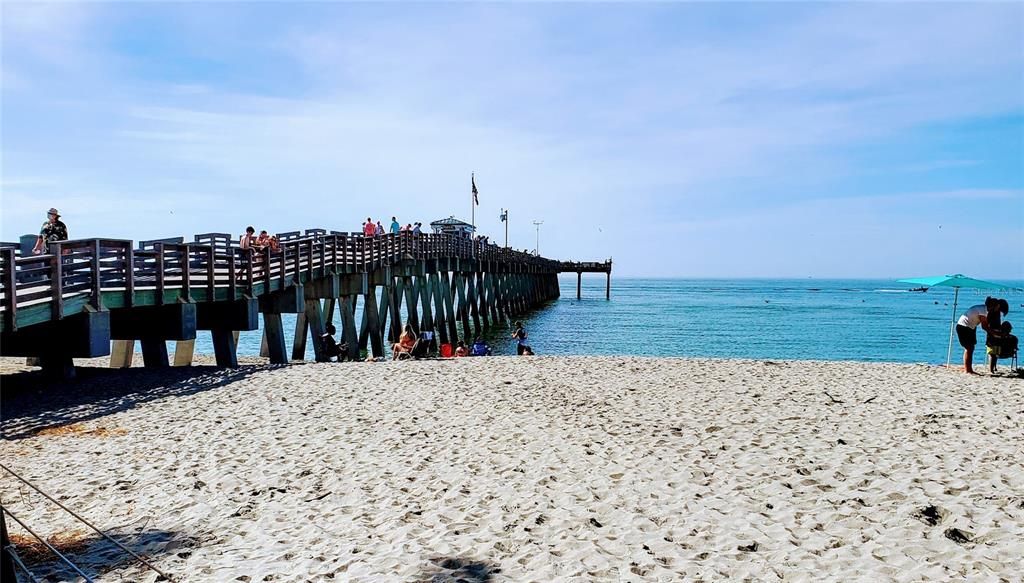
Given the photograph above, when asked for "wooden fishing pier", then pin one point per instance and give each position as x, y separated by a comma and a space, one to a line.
96, 297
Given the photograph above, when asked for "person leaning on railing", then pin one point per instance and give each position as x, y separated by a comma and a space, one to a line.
53, 230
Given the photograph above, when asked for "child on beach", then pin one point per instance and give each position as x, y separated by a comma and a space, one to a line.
1000, 345
331, 348
461, 350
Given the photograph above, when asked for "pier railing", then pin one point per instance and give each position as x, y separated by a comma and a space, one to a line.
110, 273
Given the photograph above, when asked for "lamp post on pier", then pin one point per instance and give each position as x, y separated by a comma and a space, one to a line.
504, 219
537, 248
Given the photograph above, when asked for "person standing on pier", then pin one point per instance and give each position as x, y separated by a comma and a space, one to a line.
369, 228
53, 230
395, 226
379, 229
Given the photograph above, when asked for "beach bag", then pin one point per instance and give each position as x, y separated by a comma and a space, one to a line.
446, 350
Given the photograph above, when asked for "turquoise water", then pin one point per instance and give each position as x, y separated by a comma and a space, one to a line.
863, 320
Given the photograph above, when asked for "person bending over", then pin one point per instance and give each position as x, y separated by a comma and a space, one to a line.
967, 326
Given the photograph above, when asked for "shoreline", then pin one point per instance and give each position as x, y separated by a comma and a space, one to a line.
542, 468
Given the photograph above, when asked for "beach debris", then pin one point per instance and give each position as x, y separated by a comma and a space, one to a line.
930, 515
751, 548
841, 441
595, 522
871, 399
958, 536
834, 400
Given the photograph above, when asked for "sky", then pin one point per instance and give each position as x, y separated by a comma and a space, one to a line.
678, 139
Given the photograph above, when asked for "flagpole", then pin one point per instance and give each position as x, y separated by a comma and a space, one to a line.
472, 203
506, 228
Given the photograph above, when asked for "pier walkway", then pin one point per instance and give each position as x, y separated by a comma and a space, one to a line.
84, 294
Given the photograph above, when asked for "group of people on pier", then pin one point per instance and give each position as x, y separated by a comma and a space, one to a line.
999, 342
371, 229
250, 241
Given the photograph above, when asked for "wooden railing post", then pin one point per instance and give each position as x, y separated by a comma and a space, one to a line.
159, 248
297, 250
232, 273
211, 274
10, 291
129, 275
57, 280
186, 276
97, 291
309, 259
265, 258
334, 252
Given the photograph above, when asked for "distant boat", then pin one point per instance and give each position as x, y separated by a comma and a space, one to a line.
919, 289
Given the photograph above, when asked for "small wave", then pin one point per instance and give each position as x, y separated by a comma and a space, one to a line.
892, 291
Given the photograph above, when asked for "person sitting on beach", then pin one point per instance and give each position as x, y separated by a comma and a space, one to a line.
331, 347
480, 348
520, 335
1001, 344
461, 350
405, 343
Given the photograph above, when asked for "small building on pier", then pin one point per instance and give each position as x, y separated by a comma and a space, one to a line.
452, 226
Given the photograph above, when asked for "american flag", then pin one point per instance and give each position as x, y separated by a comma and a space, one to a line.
472, 180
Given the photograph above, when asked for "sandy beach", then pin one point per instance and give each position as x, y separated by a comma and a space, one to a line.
527, 469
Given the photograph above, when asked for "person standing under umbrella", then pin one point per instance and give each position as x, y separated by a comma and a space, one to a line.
967, 326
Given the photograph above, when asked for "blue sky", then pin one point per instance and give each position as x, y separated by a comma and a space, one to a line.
693, 140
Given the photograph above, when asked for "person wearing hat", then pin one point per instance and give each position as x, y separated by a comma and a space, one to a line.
53, 230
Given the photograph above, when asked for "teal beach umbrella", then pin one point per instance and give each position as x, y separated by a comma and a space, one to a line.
956, 282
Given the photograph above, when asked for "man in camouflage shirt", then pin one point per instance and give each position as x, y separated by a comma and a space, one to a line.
52, 230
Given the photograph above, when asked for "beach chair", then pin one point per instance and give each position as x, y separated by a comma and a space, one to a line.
1008, 348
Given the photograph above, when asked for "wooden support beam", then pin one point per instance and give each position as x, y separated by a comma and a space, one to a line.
608, 287
463, 310
154, 353
184, 351
424, 293
121, 353
471, 299
445, 290
273, 337
579, 284
299, 342
225, 348
315, 318
395, 306
440, 322
371, 315
348, 325
412, 314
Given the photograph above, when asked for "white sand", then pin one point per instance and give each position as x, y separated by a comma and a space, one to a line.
540, 469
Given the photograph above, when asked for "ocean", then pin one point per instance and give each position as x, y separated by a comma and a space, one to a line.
816, 319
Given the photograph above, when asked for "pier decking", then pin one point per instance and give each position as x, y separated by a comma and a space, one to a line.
84, 294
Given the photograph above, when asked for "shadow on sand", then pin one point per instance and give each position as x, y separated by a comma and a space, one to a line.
95, 555
32, 402
457, 570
